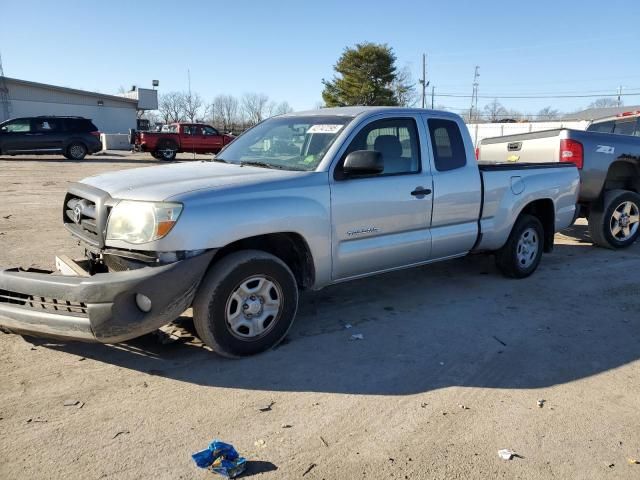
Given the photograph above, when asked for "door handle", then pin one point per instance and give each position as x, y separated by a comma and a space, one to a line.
421, 192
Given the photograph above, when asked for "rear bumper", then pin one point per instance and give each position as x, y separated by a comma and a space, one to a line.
99, 308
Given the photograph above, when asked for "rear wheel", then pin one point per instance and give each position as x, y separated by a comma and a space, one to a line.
521, 255
617, 223
246, 303
167, 151
76, 151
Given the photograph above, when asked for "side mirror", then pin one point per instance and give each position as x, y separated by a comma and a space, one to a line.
363, 162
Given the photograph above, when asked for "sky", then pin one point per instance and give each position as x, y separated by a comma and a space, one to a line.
285, 48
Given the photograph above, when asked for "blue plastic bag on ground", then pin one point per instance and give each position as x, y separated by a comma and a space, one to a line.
221, 458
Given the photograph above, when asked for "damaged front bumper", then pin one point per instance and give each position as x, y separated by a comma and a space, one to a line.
105, 307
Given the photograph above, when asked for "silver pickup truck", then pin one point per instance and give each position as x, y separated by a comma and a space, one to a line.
609, 165
300, 201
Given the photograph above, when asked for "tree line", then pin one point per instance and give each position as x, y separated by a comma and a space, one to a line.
226, 112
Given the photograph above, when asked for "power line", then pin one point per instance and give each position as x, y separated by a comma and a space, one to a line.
455, 95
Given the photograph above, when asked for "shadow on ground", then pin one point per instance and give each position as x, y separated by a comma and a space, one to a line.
454, 323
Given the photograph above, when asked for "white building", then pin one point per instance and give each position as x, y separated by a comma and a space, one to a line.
110, 113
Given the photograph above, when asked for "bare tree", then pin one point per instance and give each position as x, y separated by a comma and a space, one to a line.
514, 115
404, 88
171, 107
605, 102
224, 111
254, 106
494, 111
192, 103
548, 113
282, 108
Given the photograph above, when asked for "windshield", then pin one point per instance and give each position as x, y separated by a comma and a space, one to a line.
288, 143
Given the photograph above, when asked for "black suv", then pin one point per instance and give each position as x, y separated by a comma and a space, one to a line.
73, 137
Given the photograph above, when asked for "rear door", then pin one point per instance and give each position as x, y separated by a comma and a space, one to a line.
457, 194
17, 136
49, 133
382, 221
189, 138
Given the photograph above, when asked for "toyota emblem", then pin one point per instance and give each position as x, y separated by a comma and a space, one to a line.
77, 213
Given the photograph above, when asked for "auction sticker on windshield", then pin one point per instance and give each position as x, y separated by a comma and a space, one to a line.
324, 128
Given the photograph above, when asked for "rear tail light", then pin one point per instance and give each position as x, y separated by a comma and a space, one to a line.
95, 134
477, 153
571, 151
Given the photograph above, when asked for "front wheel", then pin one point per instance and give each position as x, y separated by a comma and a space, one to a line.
521, 255
617, 223
246, 303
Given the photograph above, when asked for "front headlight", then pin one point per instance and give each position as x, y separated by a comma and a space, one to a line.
141, 222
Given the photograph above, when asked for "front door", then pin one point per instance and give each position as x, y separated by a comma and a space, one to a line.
18, 136
382, 221
210, 141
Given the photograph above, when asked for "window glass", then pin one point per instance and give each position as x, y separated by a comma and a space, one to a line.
625, 127
602, 127
396, 139
286, 142
448, 146
207, 130
46, 125
190, 130
17, 126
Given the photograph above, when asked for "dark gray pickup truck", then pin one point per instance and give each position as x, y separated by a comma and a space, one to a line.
609, 166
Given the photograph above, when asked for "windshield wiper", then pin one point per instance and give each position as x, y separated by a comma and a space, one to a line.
262, 165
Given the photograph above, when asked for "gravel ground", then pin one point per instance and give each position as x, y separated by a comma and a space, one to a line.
453, 361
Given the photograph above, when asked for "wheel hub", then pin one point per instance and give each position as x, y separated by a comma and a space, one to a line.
252, 306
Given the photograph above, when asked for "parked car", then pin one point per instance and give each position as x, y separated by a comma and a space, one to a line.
180, 137
627, 123
357, 191
609, 165
73, 137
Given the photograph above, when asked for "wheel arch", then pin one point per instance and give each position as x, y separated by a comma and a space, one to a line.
622, 175
544, 210
290, 247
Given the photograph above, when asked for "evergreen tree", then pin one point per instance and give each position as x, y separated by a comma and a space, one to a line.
365, 76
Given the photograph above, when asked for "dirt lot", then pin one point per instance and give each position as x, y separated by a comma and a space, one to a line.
388, 406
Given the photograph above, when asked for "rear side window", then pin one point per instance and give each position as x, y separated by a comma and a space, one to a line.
602, 127
46, 125
80, 125
625, 127
448, 147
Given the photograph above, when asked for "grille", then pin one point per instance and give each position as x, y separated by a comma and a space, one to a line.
51, 305
85, 214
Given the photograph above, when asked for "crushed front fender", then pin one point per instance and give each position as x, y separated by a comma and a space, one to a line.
101, 307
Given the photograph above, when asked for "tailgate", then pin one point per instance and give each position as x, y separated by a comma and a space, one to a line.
535, 147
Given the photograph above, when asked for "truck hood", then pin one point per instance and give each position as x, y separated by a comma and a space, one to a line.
166, 181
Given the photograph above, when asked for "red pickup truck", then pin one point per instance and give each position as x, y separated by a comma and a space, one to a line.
180, 137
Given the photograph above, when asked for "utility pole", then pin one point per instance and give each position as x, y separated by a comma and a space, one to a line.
619, 95
5, 106
433, 91
474, 95
423, 80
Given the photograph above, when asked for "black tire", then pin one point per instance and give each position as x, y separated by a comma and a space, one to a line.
76, 151
157, 155
215, 299
167, 151
516, 260
602, 223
